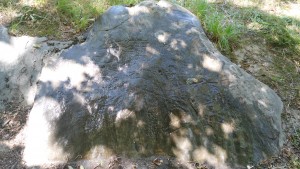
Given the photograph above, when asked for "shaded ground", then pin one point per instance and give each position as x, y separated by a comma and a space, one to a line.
11, 159
12, 121
260, 61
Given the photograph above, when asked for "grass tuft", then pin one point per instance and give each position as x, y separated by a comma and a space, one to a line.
276, 30
220, 29
79, 12
32, 21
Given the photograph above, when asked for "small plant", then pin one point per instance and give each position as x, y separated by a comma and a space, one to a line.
199, 8
222, 32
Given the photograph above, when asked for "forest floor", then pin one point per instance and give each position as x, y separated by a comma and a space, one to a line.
266, 58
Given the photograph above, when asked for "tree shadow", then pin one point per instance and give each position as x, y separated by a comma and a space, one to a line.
20, 65
21, 62
38, 18
267, 39
278, 31
171, 99
11, 157
96, 101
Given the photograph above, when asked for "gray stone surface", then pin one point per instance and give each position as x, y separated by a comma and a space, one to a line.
146, 82
21, 61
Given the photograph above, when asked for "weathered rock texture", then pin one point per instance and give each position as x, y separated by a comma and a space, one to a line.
148, 82
21, 61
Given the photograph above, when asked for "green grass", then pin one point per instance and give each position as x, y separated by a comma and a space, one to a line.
277, 30
222, 23
46, 17
7, 3
225, 34
32, 21
220, 28
79, 12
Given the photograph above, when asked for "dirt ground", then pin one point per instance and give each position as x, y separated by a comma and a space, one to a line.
258, 60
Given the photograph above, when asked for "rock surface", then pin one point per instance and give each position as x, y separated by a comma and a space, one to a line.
21, 62
146, 82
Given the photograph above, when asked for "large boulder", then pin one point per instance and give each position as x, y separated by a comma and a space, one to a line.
148, 82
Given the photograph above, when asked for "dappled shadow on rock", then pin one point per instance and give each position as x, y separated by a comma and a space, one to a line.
21, 62
20, 65
147, 82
